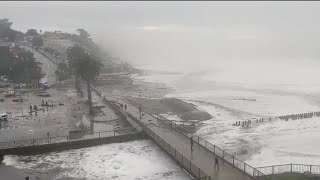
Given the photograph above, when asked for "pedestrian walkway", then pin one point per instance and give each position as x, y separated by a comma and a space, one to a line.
201, 156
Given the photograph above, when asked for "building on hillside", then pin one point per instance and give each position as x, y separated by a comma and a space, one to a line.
57, 47
15, 51
20, 53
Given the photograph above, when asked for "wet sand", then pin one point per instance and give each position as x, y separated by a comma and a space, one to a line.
12, 173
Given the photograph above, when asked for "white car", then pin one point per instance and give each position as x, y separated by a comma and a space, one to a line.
23, 85
4, 78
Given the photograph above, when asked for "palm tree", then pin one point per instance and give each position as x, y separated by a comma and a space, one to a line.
84, 66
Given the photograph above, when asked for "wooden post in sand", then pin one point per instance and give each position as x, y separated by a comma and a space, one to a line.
1, 158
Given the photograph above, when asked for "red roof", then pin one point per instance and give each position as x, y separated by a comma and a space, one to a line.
15, 51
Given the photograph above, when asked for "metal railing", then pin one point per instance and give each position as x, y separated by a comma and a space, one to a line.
235, 162
232, 160
286, 168
68, 138
193, 169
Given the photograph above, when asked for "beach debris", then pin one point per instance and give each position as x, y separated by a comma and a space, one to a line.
17, 100
43, 95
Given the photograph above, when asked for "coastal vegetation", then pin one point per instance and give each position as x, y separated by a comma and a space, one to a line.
85, 67
17, 64
7, 33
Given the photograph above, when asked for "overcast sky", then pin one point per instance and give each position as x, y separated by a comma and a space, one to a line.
193, 32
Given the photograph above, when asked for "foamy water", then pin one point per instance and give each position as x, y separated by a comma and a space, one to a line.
278, 91
119, 161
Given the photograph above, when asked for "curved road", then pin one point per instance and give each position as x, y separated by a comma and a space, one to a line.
48, 67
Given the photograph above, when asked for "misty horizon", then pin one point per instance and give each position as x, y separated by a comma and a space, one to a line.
189, 36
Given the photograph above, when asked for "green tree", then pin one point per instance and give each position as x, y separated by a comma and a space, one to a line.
5, 27
7, 32
23, 69
32, 32
63, 72
37, 41
84, 66
83, 33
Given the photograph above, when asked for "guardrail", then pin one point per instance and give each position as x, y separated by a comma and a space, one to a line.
232, 160
286, 168
184, 162
68, 138
235, 162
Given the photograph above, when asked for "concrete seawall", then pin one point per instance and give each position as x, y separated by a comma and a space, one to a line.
46, 148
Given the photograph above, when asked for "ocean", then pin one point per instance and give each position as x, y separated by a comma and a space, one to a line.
235, 91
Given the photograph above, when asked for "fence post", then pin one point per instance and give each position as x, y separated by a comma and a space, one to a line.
273, 169
214, 149
310, 168
182, 159
291, 167
233, 160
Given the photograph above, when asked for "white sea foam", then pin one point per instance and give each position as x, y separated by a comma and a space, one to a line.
130, 160
277, 91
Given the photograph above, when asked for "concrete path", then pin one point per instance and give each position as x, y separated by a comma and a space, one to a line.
47, 66
200, 156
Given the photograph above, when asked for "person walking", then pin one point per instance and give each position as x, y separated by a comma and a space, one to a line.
125, 106
216, 163
191, 143
140, 109
30, 108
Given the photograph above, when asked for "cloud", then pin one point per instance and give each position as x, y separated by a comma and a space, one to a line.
175, 28
244, 37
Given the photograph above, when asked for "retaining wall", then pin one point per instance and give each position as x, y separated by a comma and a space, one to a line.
46, 148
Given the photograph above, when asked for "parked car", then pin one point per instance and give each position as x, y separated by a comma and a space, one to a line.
4, 78
9, 92
45, 85
16, 86
23, 85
